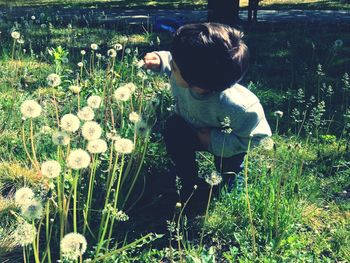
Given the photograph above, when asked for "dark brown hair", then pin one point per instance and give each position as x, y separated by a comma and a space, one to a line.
211, 56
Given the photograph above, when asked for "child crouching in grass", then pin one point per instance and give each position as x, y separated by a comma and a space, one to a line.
212, 111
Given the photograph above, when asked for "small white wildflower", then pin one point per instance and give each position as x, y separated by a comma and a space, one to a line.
24, 234
78, 159
23, 195
32, 17
60, 138
53, 80
134, 117
50, 169
97, 146
91, 130
124, 146
278, 114
86, 114
15, 35
94, 101
30, 109
94, 46
75, 89
118, 46
214, 178
70, 123
80, 64
32, 210
112, 53
122, 94
73, 246
82, 52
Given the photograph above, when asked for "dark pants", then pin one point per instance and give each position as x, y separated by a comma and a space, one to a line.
182, 142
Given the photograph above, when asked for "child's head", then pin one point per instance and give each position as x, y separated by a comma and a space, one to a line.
210, 56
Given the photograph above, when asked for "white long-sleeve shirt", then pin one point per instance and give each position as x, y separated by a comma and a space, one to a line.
236, 106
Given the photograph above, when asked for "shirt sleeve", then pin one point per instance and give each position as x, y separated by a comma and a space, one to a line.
247, 125
165, 58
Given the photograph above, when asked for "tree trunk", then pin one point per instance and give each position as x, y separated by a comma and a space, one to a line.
223, 11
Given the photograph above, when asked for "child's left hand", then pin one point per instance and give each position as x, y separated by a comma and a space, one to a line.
204, 137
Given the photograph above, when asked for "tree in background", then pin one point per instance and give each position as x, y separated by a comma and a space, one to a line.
253, 10
223, 11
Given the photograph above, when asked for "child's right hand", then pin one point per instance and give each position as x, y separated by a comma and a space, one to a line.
152, 61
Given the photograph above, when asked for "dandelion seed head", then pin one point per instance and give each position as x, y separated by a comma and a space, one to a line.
60, 138
73, 245
20, 41
51, 169
97, 146
118, 46
122, 94
30, 109
82, 52
127, 51
24, 234
214, 178
70, 123
78, 159
46, 129
32, 210
86, 114
338, 43
278, 114
23, 195
134, 117
94, 101
80, 64
112, 53
53, 80
75, 89
15, 35
267, 143
91, 130
125, 146
94, 46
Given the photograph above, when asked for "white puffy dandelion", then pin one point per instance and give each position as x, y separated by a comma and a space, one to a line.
94, 101
53, 80
60, 138
97, 146
32, 210
141, 128
127, 51
118, 46
75, 89
94, 46
15, 35
80, 64
78, 159
46, 129
131, 86
86, 114
267, 143
23, 195
124, 146
214, 178
278, 114
112, 53
82, 52
122, 94
70, 123
73, 245
91, 130
51, 169
24, 234
20, 41
30, 109
134, 117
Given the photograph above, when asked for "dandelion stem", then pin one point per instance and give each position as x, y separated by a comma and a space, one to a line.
33, 147
75, 185
25, 146
205, 218
13, 49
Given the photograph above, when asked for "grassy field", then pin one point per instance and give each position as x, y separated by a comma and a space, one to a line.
190, 4
295, 202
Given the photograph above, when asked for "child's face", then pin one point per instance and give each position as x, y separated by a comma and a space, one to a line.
177, 75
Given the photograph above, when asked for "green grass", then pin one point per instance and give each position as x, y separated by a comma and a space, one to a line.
186, 4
